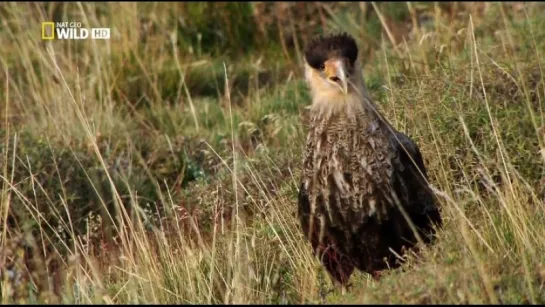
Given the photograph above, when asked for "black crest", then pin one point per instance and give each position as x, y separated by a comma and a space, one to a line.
322, 48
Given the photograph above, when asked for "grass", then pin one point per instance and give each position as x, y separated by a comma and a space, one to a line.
162, 165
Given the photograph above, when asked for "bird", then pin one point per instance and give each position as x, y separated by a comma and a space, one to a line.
364, 197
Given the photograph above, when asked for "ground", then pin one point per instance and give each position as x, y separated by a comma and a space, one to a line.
162, 165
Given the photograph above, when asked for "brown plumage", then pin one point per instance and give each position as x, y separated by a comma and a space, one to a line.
361, 178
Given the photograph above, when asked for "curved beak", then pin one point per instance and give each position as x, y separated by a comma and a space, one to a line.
335, 73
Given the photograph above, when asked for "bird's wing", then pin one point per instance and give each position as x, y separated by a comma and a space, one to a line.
407, 150
412, 178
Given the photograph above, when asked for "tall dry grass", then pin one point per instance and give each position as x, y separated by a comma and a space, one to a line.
155, 168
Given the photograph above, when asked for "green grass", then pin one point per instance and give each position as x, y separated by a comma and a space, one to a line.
162, 166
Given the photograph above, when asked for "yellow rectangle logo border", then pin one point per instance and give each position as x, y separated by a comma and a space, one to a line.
44, 25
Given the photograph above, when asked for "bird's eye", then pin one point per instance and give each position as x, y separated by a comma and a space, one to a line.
322, 67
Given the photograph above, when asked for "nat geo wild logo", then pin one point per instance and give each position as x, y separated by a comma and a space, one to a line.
72, 30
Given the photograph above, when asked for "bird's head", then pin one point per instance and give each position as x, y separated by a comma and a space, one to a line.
330, 65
